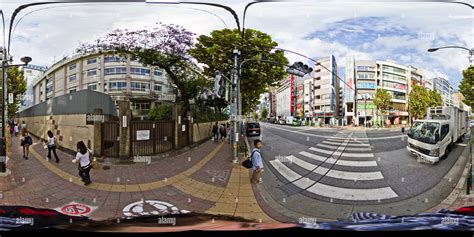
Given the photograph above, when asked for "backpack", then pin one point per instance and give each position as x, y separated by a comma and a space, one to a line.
28, 140
248, 162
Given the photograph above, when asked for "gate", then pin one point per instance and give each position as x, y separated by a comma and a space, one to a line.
110, 139
184, 133
151, 137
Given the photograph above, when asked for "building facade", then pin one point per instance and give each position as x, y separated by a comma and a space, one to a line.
445, 89
326, 96
118, 77
31, 74
364, 77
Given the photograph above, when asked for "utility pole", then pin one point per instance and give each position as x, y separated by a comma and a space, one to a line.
235, 111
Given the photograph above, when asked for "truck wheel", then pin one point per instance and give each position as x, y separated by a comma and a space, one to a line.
446, 153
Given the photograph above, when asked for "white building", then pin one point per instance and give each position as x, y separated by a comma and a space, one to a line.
283, 101
326, 98
31, 73
445, 89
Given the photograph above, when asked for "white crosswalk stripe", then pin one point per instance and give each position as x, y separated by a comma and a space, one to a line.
347, 148
338, 174
339, 153
349, 144
339, 162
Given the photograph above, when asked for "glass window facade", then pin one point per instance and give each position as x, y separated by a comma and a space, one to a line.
140, 86
140, 71
91, 60
115, 70
117, 86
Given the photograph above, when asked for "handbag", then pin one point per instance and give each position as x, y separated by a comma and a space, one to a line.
95, 165
248, 162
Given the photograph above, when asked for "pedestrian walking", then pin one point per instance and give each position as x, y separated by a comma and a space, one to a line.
85, 162
215, 132
12, 129
17, 130
257, 164
25, 142
52, 146
23, 125
223, 132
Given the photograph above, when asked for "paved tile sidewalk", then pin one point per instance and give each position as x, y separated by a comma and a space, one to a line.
183, 181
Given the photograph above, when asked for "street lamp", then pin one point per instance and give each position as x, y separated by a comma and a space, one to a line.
5, 66
471, 51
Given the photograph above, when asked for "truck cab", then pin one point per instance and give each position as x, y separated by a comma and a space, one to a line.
432, 139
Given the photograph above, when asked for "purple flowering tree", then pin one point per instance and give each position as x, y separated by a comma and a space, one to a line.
165, 47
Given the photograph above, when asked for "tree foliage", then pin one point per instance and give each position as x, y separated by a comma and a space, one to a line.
264, 113
382, 100
215, 51
16, 85
467, 85
420, 99
164, 46
161, 112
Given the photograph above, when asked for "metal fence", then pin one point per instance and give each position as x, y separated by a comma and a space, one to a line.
151, 137
79, 102
110, 139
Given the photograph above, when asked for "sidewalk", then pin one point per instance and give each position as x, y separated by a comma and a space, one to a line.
202, 179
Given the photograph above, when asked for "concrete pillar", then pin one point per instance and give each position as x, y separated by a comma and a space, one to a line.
125, 115
97, 147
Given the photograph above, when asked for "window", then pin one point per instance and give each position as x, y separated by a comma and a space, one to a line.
111, 58
140, 71
91, 72
366, 85
92, 87
141, 108
49, 89
317, 78
91, 60
140, 86
394, 85
72, 77
326, 96
444, 131
115, 70
157, 87
394, 69
318, 97
157, 73
365, 76
72, 66
117, 86
50, 79
72, 90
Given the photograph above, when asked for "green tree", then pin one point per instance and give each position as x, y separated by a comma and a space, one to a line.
434, 99
17, 86
215, 51
467, 85
255, 115
161, 112
264, 113
420, 99
382, 100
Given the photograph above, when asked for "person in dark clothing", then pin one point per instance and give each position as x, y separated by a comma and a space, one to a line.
223, 132
215, 132
85, 163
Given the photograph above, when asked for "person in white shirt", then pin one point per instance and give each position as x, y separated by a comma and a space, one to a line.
257, 162
85, 163
23, 125
17, 130
52, 146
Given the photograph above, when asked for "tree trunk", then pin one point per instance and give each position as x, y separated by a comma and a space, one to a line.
182, 90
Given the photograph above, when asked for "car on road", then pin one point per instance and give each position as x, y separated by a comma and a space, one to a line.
252, 129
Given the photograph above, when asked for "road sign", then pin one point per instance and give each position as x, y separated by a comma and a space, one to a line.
143, 135
76, 209
151, 207
10, 98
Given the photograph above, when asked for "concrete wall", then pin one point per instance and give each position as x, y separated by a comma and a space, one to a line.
69, 129
202, 131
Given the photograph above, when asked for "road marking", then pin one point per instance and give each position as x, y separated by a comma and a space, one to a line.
350, 144
344, 154
352, 193
337, 174
347, 148
352, 138
331, 191
339, 162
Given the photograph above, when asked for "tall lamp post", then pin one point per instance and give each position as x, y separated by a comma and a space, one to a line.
3, 141
471, 51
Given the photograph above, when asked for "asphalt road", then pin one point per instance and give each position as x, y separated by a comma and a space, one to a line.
330, 172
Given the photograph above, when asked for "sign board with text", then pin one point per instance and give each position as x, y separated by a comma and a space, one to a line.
143, 135
167, 97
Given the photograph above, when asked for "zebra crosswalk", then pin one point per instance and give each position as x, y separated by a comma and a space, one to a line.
326, 170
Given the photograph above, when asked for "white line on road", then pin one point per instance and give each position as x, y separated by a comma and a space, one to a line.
347, 148
314, 135
350, 144
344, 154
331, 191
337, 174
339, 162
352, 193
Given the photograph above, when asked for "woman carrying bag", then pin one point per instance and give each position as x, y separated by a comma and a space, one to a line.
51, 145
85, 162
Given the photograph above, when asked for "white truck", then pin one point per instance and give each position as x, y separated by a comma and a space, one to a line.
432, 139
